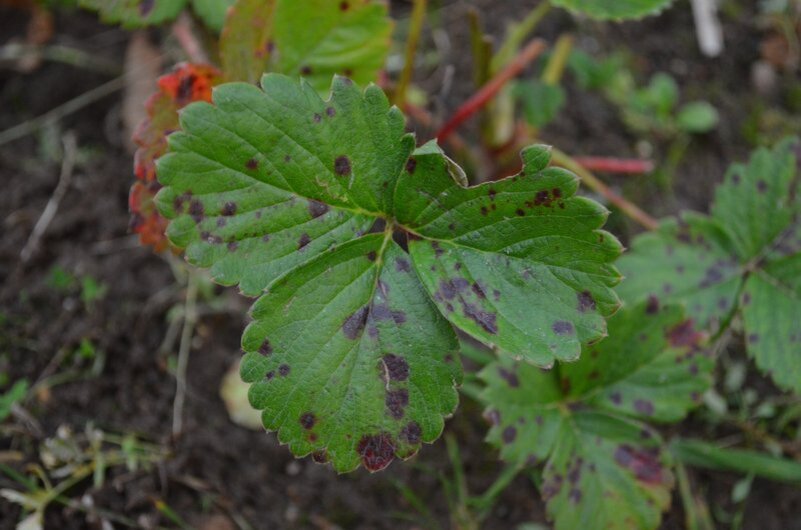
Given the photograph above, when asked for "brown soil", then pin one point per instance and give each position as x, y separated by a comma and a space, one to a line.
216, 467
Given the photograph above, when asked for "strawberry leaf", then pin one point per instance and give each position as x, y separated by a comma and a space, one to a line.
212, 12
614, 9
135, 13
185, 84
519, 263
301, 200
352, 363
743, 259
604, 467
314, 39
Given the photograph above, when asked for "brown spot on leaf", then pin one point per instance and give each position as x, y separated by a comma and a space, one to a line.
283, 370
146, 6
585, 302
317, 209
411, 433
411, 165
354, 324
330, 112
644, 464
652, 306
266, 348
303, 241
563, 327
229, 209
395, 367
252, 164
509, 376
487, 320
196, 210
305, 70
342, 166
402, 265
684, 334
376, 451
307, 420
372, 255
644, 407
344, 6
478, 290
509, 434
761, 186
396, 401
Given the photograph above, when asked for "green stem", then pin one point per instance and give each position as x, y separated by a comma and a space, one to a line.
558, 61
518, 35
486, 501
696, 512
416, 27
190, 317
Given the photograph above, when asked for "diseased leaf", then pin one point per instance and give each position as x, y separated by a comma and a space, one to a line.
604, 467
614, 9
520, 263
744, 260
246, 41
301, 201
212, 12
185, 84
314, 39
135, 13
352, 363
264, 180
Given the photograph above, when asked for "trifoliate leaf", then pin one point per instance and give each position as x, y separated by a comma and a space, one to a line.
614, 9
743, 259
314, 39
274, 189
520, 263
604, 467
185, 84
135, 13
212, 12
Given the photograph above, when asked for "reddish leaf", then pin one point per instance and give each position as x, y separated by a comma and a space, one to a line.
185, 84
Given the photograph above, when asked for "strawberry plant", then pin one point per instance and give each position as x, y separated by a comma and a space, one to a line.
375, 264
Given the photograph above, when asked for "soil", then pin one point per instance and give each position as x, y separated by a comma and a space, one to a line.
216, 472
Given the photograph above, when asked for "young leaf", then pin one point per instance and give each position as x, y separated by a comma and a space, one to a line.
604, 468
314, 39
520, 263
185, 84
614, 9
541, 102
135, 13
743, 259
274, 189
212, 11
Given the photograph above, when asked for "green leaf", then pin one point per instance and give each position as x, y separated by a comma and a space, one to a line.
614, 9
314, 39
212, 11
264, 180
697, 117
604, 467
362, 367
16, 393
520, 263
135, 13
300, 200
744, 259
541, 102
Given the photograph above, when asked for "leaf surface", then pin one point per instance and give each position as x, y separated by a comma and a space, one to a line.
604, 467
212, 12
519, 263
135, 13
742, 260
314, 39
349, 359
614, 9
306, 202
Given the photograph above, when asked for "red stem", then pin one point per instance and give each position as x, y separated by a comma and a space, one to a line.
532, 50
627, 166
